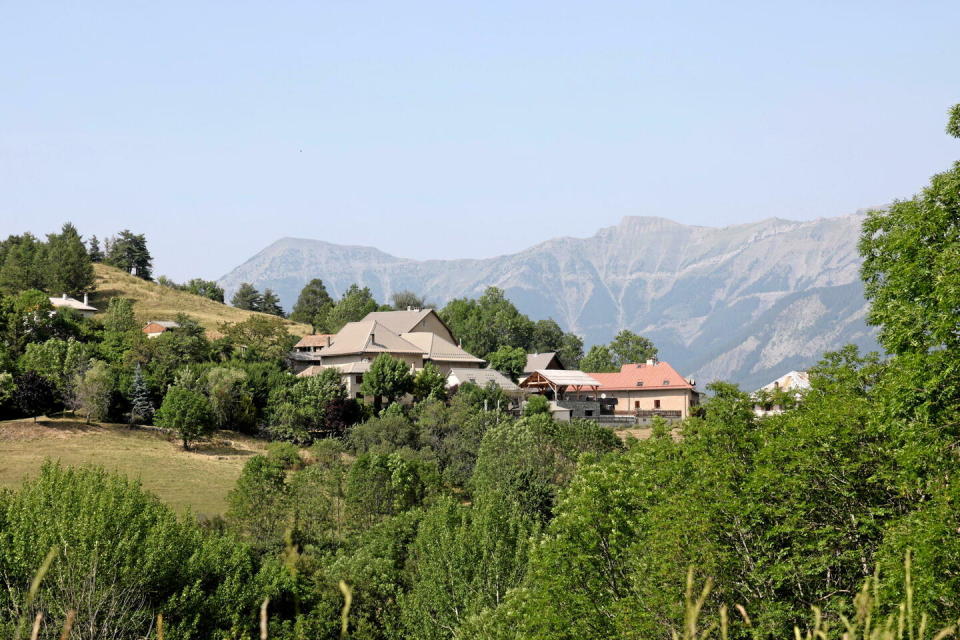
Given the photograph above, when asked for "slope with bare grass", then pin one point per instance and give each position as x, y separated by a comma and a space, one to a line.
152, 301
197, 480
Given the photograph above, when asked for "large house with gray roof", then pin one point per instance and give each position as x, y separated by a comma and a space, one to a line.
414, 336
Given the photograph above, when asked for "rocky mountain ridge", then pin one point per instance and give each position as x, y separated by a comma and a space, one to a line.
743, 303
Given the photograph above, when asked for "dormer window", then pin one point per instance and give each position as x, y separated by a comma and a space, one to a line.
640, 383
666, 382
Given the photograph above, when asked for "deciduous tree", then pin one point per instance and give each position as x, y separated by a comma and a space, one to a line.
388, 378
185, 411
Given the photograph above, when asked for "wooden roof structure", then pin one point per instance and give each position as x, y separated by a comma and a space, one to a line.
559, 381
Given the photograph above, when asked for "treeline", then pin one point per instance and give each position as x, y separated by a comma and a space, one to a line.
63, 263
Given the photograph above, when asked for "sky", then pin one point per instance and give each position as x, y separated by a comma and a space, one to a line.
456, 129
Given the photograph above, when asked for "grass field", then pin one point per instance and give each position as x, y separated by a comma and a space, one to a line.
196, 480
154, 302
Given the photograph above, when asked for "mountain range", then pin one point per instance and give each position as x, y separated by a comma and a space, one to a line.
743, 303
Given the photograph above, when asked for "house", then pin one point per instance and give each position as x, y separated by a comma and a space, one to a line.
771, 398
572, 391
313, 342
541, 361
416, 336
646, 390
154, 328
66, 302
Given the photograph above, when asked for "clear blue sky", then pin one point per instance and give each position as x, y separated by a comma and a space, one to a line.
455, 129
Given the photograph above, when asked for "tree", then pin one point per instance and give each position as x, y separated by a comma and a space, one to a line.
270, 304
259, 338
28, 317
629, 348
231, 404
355, 304
258, 504
128, 251
247, 297
141, 404
570, 351
536, 404
313, 304
547, 336
94, 251
487, 323
510, 361
23, 264
93, 390
429, 383
598, 360
185, 411
388, 378
406, 299
68, 266
35, 394
206, 288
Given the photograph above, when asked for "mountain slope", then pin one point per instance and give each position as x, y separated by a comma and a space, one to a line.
743, 302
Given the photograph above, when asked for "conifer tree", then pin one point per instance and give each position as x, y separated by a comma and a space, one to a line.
68, 267
141, 405
95, 253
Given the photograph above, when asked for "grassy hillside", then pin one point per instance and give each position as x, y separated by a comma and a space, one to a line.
153, 302
196, 480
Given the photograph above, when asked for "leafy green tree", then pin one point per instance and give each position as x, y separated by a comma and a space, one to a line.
231, 403
35, 394
487, 323
141, 402
406, 299
313, 304
187, 412
28, 317
121, 331
510, 361
629, 348
570, 351
259, 338
384, 434
122, 557
247, 297
205, 288
307, 408
429, 383
380, 485
22, 266
270, 304
93, 390
7, 389
68, 266
464, 560
59, 361
128, 251
355, 304
258, 504
535, 405
546, 336
598, 360
388, 378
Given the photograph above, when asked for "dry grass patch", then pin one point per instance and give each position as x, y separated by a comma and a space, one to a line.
196, 480
154, 302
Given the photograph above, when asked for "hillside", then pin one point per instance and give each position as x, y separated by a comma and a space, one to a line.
197, 480
154, 302
743, 303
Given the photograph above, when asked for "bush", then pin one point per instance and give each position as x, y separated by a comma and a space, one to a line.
285, 454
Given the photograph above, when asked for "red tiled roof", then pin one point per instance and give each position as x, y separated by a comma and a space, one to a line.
653, 376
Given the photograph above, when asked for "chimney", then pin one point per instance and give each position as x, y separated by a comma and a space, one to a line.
651, 362
329, 342
86, 299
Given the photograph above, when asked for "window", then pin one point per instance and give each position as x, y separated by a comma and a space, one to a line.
636, 404
359, 379
656, 404
666, 383
588, 412
359, 396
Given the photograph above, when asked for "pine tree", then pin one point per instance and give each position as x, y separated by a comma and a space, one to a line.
247, 297
313, 304
128, 251
270, 303
141, 405
96, 255
68, 266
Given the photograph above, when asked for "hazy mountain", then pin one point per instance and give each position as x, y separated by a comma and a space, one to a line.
743, 303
